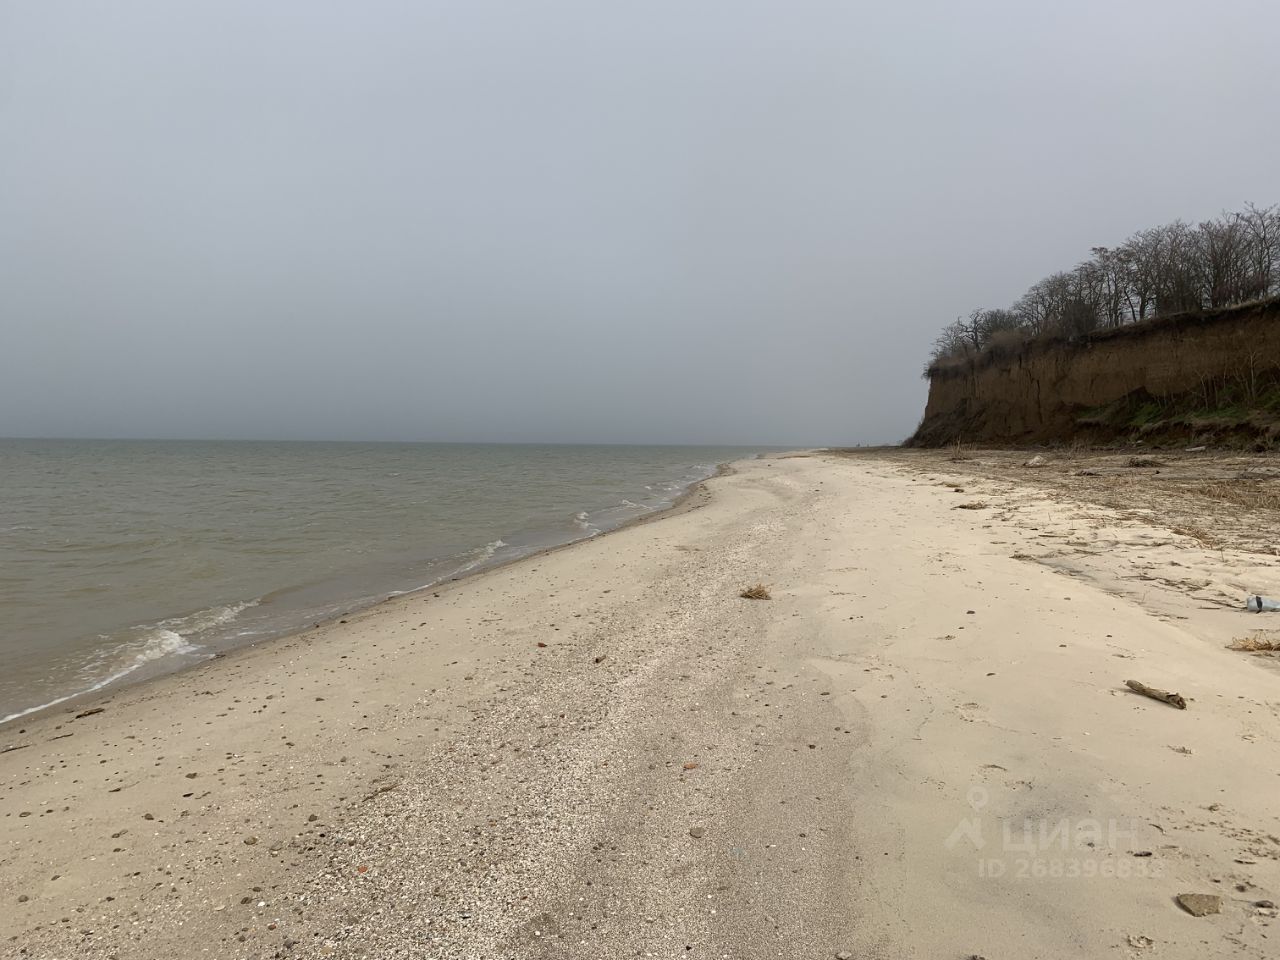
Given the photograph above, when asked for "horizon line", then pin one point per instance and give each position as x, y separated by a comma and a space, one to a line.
507, 443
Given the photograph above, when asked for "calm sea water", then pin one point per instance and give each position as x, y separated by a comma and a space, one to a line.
122, 559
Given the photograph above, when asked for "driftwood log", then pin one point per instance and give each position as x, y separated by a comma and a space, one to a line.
1172, 699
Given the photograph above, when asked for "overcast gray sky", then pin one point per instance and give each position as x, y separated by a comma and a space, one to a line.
732, 221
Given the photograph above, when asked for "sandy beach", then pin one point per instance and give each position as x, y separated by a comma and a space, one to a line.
921, 746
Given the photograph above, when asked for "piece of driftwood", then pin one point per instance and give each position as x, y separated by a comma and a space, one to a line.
1173, 699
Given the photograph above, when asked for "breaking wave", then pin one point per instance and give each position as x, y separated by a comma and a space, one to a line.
144, 645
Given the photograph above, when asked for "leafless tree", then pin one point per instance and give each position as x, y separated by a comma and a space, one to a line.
1179, 279
1175, 268
1262, 227
1142, 252
1113, 276
1222, 261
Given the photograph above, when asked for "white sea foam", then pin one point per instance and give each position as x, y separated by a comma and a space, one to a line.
205, 619
165, 639
583, 521
70, 696
161, 643
482, 555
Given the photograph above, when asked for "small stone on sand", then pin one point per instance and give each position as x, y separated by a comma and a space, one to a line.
1200, 904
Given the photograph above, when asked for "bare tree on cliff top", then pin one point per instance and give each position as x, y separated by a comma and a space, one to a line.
1263, 251
1234, 258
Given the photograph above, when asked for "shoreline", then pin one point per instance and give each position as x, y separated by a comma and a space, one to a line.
108, 688
605, 752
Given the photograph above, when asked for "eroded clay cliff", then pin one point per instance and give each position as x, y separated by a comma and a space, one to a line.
1196, 376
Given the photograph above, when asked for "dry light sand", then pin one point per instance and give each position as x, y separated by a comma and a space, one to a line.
922, 746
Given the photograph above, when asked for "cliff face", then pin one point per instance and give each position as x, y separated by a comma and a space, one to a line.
1197, 375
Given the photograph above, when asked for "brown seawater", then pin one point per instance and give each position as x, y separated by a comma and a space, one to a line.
123, 559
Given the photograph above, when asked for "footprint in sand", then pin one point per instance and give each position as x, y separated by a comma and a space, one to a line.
972, 712
1138, 943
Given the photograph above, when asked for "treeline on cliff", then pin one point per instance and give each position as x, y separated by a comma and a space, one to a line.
1176, 268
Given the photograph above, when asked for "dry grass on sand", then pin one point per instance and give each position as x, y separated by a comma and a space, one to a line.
1255, 644
757, 592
